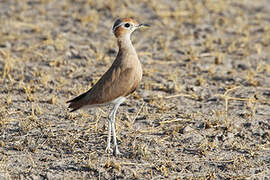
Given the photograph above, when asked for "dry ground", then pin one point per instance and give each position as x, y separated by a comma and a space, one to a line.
202, 110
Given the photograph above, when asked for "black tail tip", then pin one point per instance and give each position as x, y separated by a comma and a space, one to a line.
70, 107
72, 110
69, 101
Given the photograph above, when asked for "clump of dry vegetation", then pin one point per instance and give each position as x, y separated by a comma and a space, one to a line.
201, 112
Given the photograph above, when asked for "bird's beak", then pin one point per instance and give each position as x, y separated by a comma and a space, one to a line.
143, 25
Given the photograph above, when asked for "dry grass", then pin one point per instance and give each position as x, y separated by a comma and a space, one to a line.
201, 112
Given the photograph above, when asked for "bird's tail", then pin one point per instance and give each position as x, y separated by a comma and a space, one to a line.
76, 103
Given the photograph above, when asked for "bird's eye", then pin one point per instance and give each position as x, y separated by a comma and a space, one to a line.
127, 25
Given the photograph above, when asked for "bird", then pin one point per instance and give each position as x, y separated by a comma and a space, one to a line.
118, 82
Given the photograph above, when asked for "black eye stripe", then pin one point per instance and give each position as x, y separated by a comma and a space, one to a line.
127, 25
116, 24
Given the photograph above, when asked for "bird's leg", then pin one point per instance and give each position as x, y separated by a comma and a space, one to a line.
115, 147
110, 120
108, 147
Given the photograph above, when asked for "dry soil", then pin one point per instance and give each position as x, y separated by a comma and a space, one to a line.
202, 110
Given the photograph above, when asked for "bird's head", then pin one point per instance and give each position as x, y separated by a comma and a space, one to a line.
124, 27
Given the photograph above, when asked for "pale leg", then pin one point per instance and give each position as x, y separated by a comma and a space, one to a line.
108, 147
115, 146
111, 126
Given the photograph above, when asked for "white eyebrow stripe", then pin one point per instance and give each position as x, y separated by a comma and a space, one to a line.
118, 26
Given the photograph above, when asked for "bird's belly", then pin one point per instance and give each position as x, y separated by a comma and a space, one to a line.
118, 100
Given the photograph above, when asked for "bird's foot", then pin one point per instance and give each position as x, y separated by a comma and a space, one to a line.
108, 149
116, 151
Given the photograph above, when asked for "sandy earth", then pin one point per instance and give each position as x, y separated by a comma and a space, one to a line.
202, 110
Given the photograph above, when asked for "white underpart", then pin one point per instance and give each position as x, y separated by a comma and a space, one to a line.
118, 100
115, 101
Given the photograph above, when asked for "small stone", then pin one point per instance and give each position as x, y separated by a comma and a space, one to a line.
187, 129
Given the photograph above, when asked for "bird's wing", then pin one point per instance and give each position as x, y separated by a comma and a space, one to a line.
114, 83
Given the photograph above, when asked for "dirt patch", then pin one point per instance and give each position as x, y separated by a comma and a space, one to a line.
202, 109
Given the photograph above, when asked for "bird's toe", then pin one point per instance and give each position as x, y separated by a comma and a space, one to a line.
108, 149
116, 151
